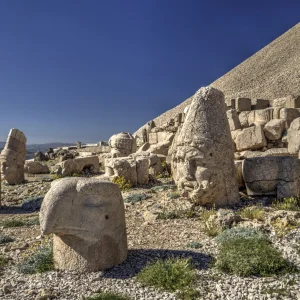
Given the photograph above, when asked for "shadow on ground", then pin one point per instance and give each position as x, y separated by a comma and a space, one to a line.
138, 258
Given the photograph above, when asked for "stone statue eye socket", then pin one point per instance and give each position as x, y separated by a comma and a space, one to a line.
94, 202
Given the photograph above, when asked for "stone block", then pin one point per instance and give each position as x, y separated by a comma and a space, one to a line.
153, 138
274, 129
272, 175
243, 104
259, 104
251, 138
289, 114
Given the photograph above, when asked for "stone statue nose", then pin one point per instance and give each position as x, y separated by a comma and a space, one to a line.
188, 174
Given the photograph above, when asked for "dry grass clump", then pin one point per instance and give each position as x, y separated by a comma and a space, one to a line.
107, 296
292, 203
253, 213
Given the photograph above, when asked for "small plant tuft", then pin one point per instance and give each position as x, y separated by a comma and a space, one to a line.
253, 213
174, 195
56, 176
122, 183
171, 274
163, 187
4, 239
136, 198
107, 296
239, 232
39, 262
194, 245
292, 203
3, 261
12, 223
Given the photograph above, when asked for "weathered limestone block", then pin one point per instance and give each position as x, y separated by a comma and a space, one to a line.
78, 164
293, 137
12, 157
155, 165
202, 157
87, 219
272, 175
263, 116
143, 147
230, 103
153, 138
164, 142
243, 117
243, 104
259, 104
279, 102
239, 172
122, 144
123, 167
251, 138
233, 120
35, 167
274, 129
289, 114
142, 169
292, 102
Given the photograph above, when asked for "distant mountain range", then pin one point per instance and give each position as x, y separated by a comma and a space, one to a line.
32, 148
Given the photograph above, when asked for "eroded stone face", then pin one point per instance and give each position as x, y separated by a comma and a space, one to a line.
13, 157
122, 144
88, 221
202, 155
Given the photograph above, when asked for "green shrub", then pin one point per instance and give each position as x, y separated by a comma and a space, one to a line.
165, 172
292, 203
3, 261
4, 239
206, 213
122, 183
19, 223
239, 232
253, 213
12, 223
283, 226
76, 175
136, 198
251, 256
39, 262
107, 296
171, 274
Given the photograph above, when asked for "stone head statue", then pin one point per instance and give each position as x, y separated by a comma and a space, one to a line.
202, 157
122, 144
88, 221
13, 157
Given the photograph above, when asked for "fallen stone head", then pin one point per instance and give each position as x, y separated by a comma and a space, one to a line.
87, 219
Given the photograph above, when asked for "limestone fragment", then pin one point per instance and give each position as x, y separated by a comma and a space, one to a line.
122, 144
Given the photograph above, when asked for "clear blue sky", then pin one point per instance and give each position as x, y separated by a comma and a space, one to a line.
84, 70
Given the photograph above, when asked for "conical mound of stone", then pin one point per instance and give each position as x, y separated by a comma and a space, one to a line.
273, 72
202, 156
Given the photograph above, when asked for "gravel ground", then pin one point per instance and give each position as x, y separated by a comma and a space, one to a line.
148, 239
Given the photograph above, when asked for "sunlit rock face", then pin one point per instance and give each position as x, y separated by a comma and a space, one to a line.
13, 157
88, 221
202, 156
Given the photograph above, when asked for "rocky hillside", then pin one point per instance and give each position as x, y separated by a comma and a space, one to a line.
272, 72
32, 148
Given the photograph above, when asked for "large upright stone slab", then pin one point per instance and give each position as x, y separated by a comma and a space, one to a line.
272, 175
13, 157
293, 137
202, 157
87, 219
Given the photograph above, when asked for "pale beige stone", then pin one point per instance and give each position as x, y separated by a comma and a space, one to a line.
289, 114
122, 144
87, 219
251, 138
35, 167
78, 164
233, 120
272, 175
293, 137
202, 157
12, 157
274, 129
